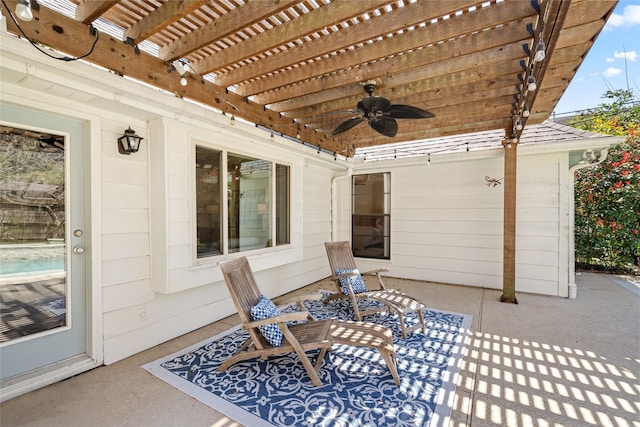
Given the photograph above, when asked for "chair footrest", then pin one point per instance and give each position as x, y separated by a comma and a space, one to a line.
366, 334
397, 300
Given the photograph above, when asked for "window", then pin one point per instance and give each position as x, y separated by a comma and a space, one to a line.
371, 215
208, 201
282, 205
256, 200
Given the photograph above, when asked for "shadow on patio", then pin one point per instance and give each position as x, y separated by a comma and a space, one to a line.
545, 362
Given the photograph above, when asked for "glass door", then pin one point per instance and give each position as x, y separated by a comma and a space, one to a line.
42, 260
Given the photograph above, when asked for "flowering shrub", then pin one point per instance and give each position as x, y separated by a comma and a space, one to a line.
607, 211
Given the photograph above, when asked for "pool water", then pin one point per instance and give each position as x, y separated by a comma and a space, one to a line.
31, 265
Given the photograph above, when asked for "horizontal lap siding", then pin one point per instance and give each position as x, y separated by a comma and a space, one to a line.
126, 255
317, 221
540, 216
447, 223
137, 317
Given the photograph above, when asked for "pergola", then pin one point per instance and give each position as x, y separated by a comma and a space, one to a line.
297, 67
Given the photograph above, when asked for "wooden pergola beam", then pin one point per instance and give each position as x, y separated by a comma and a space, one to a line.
67, 35
90, 10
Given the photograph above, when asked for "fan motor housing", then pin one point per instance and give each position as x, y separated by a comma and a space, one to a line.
370, 87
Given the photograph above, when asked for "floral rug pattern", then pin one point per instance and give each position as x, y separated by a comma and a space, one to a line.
357, 390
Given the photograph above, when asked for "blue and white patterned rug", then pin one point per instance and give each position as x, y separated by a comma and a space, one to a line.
358, 389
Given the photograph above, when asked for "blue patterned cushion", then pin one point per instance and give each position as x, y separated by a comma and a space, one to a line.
264, 309
357, 283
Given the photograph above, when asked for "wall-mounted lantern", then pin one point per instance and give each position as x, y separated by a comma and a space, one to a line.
129, 142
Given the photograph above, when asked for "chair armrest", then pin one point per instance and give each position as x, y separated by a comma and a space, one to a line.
286, 317
376, 273
336, 277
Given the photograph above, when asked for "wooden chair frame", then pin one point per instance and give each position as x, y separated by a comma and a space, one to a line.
299, 338
341, 258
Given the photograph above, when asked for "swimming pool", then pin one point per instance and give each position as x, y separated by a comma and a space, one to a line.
31, 265
24, 259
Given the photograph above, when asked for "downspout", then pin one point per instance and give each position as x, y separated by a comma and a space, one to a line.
573, 289
334, 202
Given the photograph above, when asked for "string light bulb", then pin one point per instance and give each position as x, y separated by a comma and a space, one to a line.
518, 124
23, 10
526, 112
531, 84
540, 52
180, 68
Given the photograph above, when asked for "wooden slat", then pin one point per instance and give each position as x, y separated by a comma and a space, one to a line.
162, 17
582, 11
578, 34
412, 14
478, 126
240, 17
90, 10
440, 39
287, 33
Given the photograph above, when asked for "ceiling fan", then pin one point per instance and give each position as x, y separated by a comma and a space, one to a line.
381, 113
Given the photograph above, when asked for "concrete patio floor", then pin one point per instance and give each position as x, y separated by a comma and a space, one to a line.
544, 362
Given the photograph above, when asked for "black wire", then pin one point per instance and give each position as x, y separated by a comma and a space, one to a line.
64, 58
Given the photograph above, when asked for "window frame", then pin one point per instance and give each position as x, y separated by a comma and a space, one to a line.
369, 219
225, 152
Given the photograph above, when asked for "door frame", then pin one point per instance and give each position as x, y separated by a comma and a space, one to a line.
94, 352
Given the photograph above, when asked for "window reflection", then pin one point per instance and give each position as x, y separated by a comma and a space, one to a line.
371, 215
248, 189
33, 295
208, 209
255, 204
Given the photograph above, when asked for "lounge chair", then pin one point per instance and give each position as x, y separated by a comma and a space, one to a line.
350, 285
298, 338
277, 337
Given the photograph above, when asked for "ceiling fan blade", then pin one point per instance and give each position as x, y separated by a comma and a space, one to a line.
346, 125
384, 125
375, 103
399, 111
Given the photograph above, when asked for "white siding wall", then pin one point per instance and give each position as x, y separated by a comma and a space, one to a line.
180, 293
447, 223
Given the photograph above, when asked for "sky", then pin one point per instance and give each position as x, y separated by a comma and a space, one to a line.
604, 67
